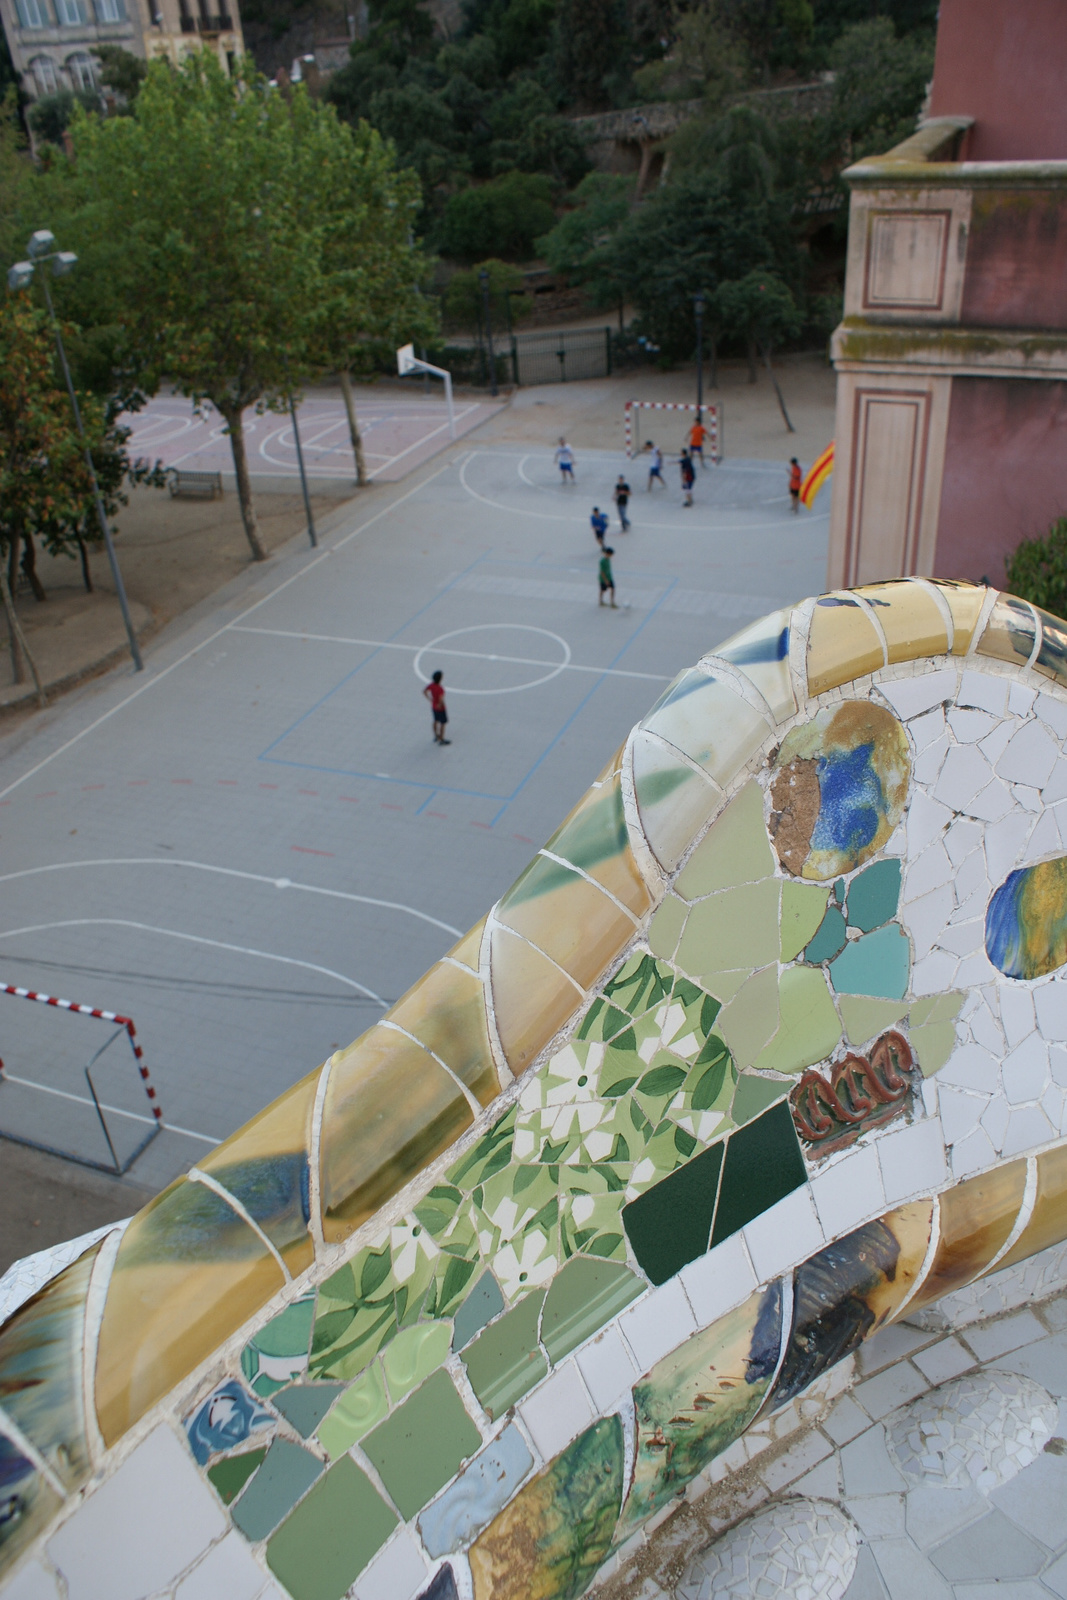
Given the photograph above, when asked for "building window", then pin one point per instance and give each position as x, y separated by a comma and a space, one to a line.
32, 14
72, 13
83, 70
45, 79
111, 11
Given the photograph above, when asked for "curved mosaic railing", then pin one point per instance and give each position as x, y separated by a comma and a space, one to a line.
762, 1050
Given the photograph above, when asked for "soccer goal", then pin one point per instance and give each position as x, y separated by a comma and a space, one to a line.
640, 429
40, 1105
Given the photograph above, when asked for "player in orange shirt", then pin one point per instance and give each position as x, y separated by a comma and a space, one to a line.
697, 434
796, 478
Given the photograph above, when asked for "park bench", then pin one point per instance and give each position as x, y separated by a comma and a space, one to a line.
196, 485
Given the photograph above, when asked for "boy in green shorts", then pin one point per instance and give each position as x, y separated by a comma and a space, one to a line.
607, 577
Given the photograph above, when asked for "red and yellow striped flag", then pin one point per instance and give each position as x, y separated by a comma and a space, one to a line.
817, 475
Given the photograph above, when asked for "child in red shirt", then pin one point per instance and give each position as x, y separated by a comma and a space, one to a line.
435, 694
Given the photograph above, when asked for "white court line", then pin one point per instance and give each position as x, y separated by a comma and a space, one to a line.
251, 877
425, 438
639, 522
117, 1111
135, 694
471, 655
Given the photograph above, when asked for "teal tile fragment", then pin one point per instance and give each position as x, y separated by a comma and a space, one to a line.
482, 1304
505, 1360
753, 1095
763, 1163
423, 1444
830, 938
288, 1472
877, 964
873, 896
305, 1404
483, 1488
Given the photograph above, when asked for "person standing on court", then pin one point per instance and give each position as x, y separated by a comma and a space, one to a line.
599, 524
685, 461
697, 434
435, 694
621, 496
607, 577
795, 479
565, 461
655, 471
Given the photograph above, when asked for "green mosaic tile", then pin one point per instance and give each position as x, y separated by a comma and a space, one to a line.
278, 1352
324, 1546
230, 1475
734, 850
362, 1404
583, 1296
735, 927
936, 1008
483, 1303
864, 1019
877, 964
423, 1444
287, 1472
305, 1404
753, 1095
504, 1361
810, 1027
763, 1164
750, 1019
830, 938
933, 1045
670, 1224
413, 1355
665, 928
803, 908
490, 1154
603, 1021
873, 895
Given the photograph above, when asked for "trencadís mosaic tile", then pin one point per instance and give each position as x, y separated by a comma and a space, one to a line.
767, 1046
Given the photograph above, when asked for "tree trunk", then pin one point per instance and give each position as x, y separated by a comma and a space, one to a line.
751, 349
87, 577
244, 483
29, 567
353, 429
778, 392
20, 650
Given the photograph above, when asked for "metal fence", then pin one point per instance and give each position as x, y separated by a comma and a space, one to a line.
560, 357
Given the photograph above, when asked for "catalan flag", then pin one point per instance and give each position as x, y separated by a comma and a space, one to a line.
817, 475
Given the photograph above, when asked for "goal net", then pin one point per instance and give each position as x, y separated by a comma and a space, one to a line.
651, 420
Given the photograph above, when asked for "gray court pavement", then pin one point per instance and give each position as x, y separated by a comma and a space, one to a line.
255, 846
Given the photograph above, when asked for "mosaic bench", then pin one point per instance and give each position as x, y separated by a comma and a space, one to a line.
764, 1049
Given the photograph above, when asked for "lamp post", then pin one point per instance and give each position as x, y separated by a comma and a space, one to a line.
20, 276
483, 279
698, 307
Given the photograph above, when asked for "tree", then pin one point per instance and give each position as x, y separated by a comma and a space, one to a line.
502, 217
588, 37
761, 309
122, 72
189, 218
582, 243
464, 301
879, 86
50, 116
1037, 570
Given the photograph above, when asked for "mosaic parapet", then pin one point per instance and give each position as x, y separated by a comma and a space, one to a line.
762, 1050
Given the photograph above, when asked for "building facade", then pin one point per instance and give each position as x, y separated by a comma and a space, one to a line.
51, 41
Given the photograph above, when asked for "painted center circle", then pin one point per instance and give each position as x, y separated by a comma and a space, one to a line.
493, 658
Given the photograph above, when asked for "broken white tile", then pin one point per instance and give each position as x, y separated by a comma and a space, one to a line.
606, 1366
912, 696
1020, 699
962, 777
926, 820
1016, 1012
962, 938
557, 1411
912, 1161
878, 1516
972, 1067
972, 1155
1052, 1103
928, 763
962, 839
994, 802
397, 1572
1050, 1003
1029, 757
985, 1028
984, 690
1026, 797
1053, 712
657, 1324
960, 1112
973, 970
995, 743
1003, 842
1044, 841
227, 1572
935, 973
970, 726
784, 1235
944, 1360
969, 875
928, 870
1056, 785
995, 1120
925, 919
1025, 1072
848, 1192
845, 1421
718, 1280
1027, 1129
1057, 1060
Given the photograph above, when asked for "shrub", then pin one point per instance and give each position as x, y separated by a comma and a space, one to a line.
499, 218
50, 116
1038, 570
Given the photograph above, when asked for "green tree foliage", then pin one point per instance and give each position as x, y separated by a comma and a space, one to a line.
122, 72
879, 86
1037, 571
503, 216
51, 115
583, 245
464, 302
760, 309
589, 36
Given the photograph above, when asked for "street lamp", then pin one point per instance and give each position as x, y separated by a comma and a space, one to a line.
41, 249
483, 279
698, 307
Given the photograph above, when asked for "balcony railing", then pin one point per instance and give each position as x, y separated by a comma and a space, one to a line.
219, 22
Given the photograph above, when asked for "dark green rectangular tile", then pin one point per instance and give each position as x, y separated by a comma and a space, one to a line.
324, 1546
423, 1443
763, 1164
670, 1224
587, 1293
232, 1473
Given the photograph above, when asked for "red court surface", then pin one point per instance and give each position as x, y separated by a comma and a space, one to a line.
399, 433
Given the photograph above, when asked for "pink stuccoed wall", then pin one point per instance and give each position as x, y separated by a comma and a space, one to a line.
1005, 476
1004, 62
1016, 274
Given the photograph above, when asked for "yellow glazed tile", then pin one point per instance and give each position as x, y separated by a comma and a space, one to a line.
446, 1011
964, 601
734, 850
467, 951
188, 1273
708, 721
843, 644
532, 999
567, 917
389, 1109
751, 1017
595, 839
613, 767
803, 908
1051, 659
910, 619
976, 1218
665, 928
1048, 1222
1010, 632
909, 1227
761, 652
264, 1166
673, 799
732, 928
